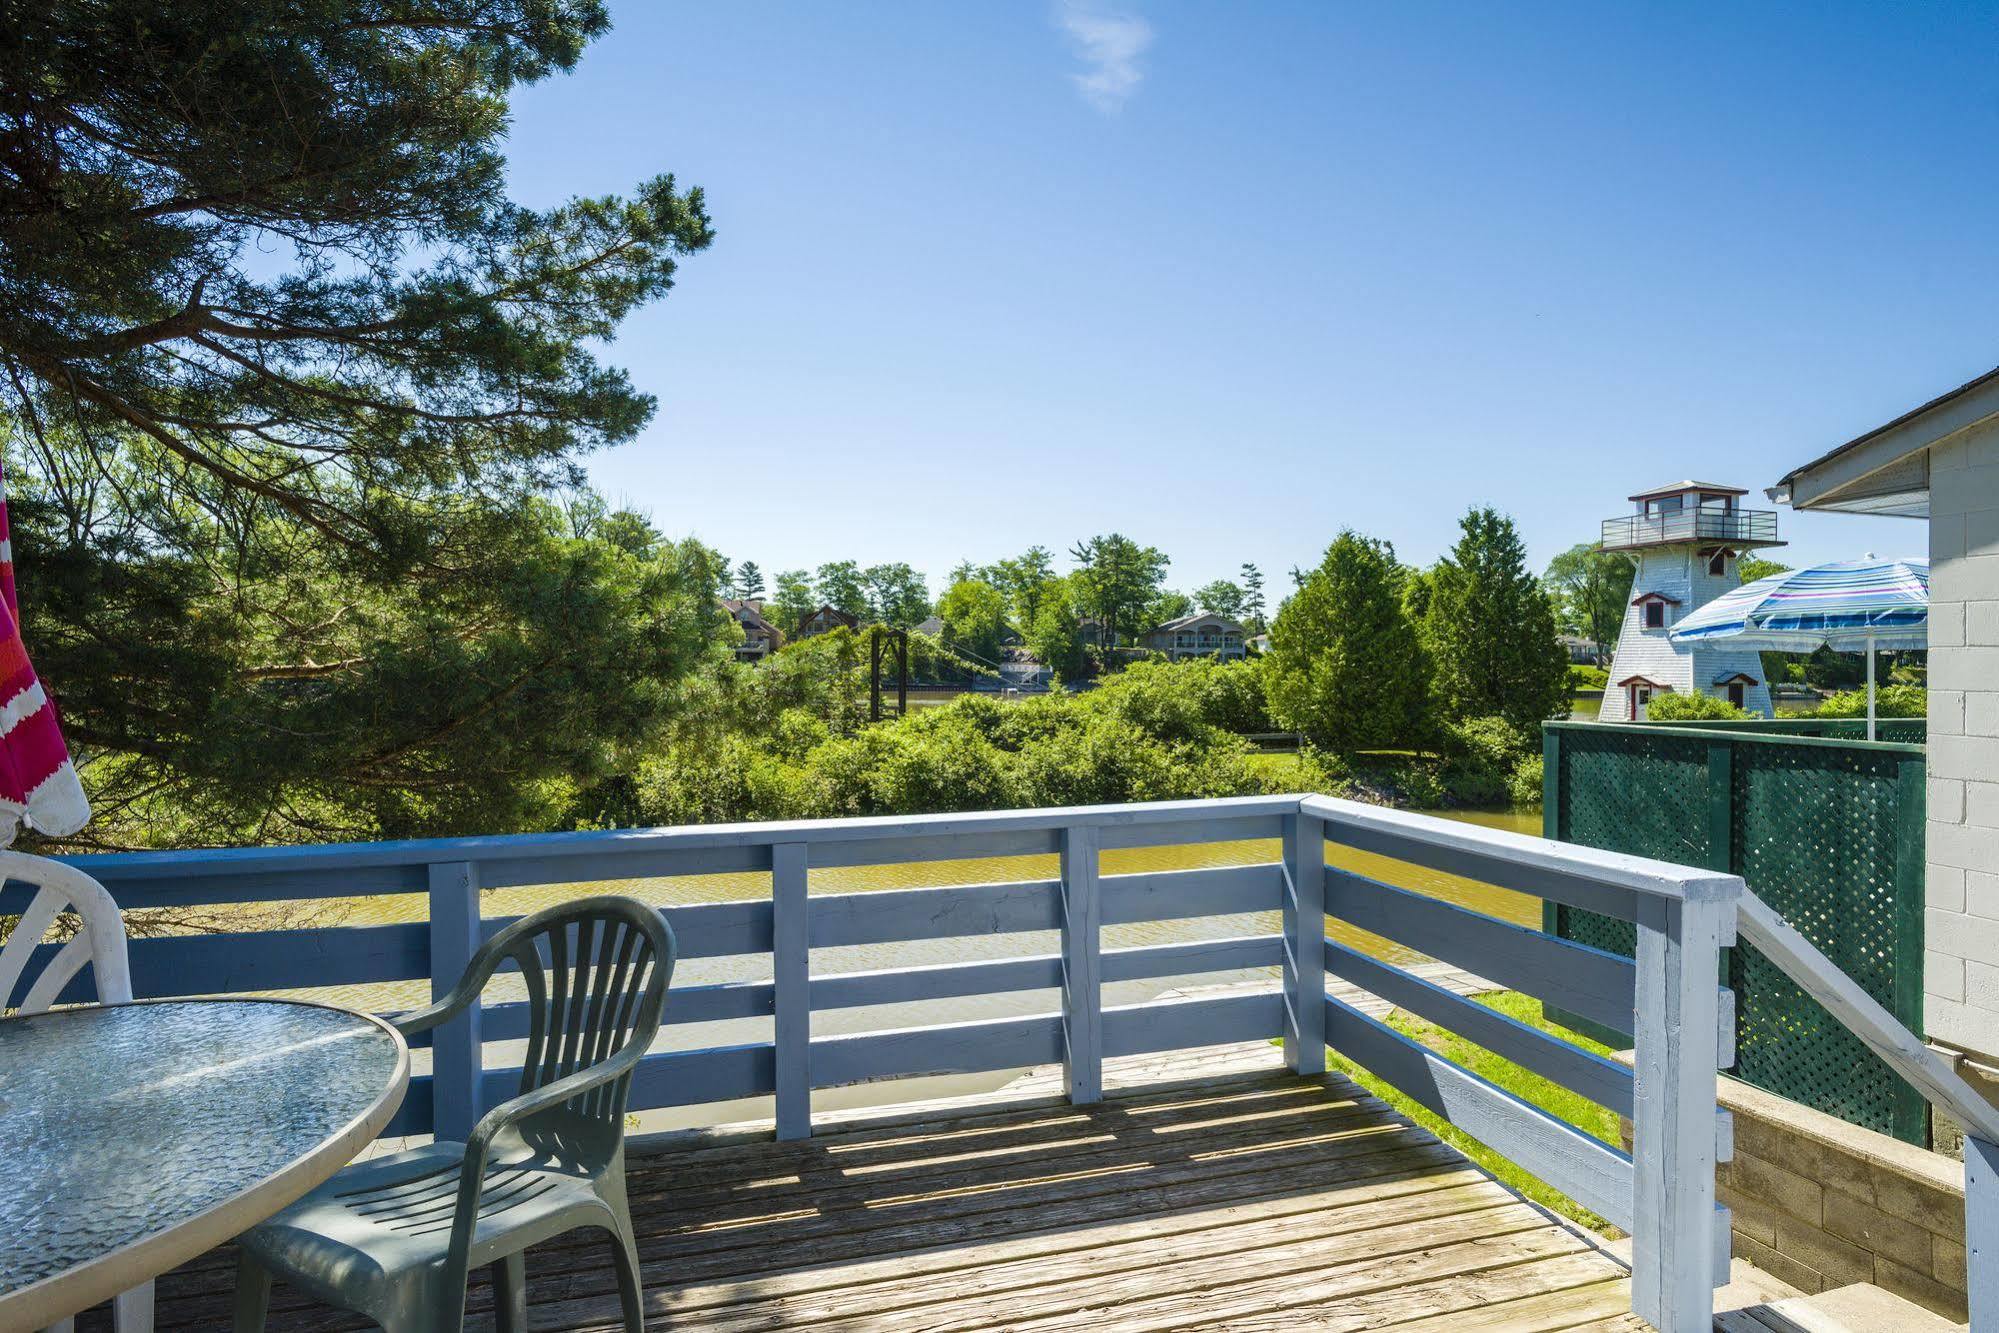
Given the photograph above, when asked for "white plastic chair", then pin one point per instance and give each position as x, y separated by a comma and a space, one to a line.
101, 944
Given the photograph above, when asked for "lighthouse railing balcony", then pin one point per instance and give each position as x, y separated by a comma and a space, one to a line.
1742, 526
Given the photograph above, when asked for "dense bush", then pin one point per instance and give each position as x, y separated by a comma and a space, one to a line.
1692, 707
1889, 701
1156, 732
1489, 742
792, 744
1524, 787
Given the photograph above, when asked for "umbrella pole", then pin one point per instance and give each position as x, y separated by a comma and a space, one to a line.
1870, 687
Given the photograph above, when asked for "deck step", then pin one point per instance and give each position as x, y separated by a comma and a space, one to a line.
1860, 1308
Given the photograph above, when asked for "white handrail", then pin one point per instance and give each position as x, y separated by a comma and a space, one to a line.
1860, 1013
1639, 874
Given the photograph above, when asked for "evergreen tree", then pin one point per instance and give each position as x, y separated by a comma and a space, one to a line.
293, 392
1253, 605
1346, 665
749, 580
1490, 630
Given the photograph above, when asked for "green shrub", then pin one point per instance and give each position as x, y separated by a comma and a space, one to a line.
1490, 742
1468, 783
1524, 787
1692, 707
1889, 701
1421, 786
938, 768
1178, 701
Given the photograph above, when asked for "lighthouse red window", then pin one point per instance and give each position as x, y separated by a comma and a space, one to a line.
1652, 609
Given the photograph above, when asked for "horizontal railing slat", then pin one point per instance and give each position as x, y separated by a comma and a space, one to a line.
901, 915
942, 981
1167, 895
1175, 1025
276, 960
678, 1078
943, 1048
508, 1020
1605, 1082
888, 916
1586, 1169
700, 930
1600, 986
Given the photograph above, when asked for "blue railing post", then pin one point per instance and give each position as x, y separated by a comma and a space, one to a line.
1981, 1231
1082, 967
1677, 1232
791, 986
1305, 943
457, 1051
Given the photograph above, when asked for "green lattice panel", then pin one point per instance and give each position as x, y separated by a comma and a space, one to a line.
1816, 835
1637, 794
1829, 835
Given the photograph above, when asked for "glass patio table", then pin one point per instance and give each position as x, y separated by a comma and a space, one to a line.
138, 1136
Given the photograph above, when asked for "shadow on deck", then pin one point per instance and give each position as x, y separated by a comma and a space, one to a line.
1250, 1200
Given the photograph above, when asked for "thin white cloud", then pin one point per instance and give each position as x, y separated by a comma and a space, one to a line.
1109, 42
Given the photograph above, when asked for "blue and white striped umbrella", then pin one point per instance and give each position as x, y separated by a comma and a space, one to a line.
1851, 606
1845, 605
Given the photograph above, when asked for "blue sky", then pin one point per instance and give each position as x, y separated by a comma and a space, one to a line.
1229, 278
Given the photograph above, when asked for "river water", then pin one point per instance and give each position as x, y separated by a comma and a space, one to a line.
388, 909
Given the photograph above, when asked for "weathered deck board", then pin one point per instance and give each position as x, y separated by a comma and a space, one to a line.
1256, 1200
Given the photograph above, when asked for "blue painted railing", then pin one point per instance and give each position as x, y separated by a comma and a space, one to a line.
1663, 1192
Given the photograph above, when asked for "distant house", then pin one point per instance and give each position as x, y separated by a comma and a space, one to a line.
1201, 635
1090, 631
760, 637
931, 625
1582, 651
1259, 643
825, 618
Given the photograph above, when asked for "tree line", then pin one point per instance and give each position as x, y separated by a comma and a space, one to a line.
1114, 591
1371, 654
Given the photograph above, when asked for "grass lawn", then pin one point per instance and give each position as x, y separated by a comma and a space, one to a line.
1550, 1097
1282, 767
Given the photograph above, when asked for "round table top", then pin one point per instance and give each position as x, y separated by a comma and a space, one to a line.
137, 1136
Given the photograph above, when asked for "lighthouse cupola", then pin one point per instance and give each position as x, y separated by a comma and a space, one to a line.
1686, 540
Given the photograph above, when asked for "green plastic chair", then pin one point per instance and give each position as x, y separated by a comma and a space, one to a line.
394, 1238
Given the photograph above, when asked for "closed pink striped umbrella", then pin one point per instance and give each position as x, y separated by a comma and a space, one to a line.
38, 784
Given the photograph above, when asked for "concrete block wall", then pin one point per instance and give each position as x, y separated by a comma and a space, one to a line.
1961, 975
1821, 1204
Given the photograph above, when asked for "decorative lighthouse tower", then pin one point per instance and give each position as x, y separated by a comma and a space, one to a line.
1686, 539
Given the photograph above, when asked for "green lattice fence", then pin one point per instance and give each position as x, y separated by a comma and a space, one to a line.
1901, 730
1829, 832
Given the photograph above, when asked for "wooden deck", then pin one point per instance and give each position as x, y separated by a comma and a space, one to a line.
1251, 1200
